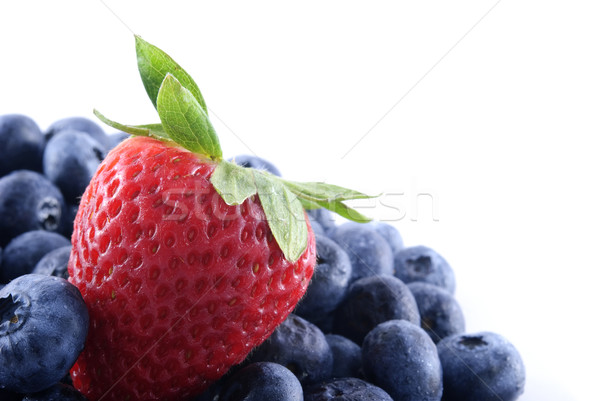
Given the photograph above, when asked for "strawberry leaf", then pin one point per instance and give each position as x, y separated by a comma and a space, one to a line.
314, 195
282, 208
151, 130
234, 183
344, 211
323, 191
185, 121
284, 202
285, 215
154, 65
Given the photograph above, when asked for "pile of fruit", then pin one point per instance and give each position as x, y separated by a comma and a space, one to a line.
141, 265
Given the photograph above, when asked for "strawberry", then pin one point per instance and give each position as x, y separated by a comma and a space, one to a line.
185, 261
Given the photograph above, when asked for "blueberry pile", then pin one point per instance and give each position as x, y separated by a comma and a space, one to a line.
379, 321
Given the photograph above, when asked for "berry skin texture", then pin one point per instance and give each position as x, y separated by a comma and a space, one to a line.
390, 234
43, 325
21, 144
81, 124
481, 366
55, 263
441, 315
371, 301
369, 253
328, 284
70, 161
300, 346
400, 357
324, 217
180, 286
347, 360
29, 201
421, 263
22, 254
346, 389
262, 381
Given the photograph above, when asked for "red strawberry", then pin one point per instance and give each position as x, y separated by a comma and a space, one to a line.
186, 262
180, 285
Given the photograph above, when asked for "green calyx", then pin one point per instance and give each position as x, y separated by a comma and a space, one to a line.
178, 101
184, 122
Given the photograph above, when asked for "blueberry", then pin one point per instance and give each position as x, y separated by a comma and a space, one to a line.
43, 326
369, 252
324, 217
54, 263
70, 160
441, 315
301, 347
390, 234
347, 360
346, 389
21, 144
329, 282
58, 392
400, 357
373, 300
116, 138
69, 220
257, 163
28, 201
81, 124
480, 367
421, 263
262, 381
25, 251
316, 226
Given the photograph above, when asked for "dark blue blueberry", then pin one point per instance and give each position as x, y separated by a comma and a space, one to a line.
257, 163
421, 263
58, 392
70, 160
373, 300
81, 124
262, 381
115, 139
329, 282
54, 263
324, 217
28, 201
441, 315
43, 326
69, 220
369, 252
301, 347
25, 251
347, 360
400, 357
21, 144
480, 367
345, 389
315, 225
390, 234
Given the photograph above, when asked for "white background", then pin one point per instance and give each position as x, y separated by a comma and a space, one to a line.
475, 120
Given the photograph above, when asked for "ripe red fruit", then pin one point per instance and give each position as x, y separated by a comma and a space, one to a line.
185, 261
179, 285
